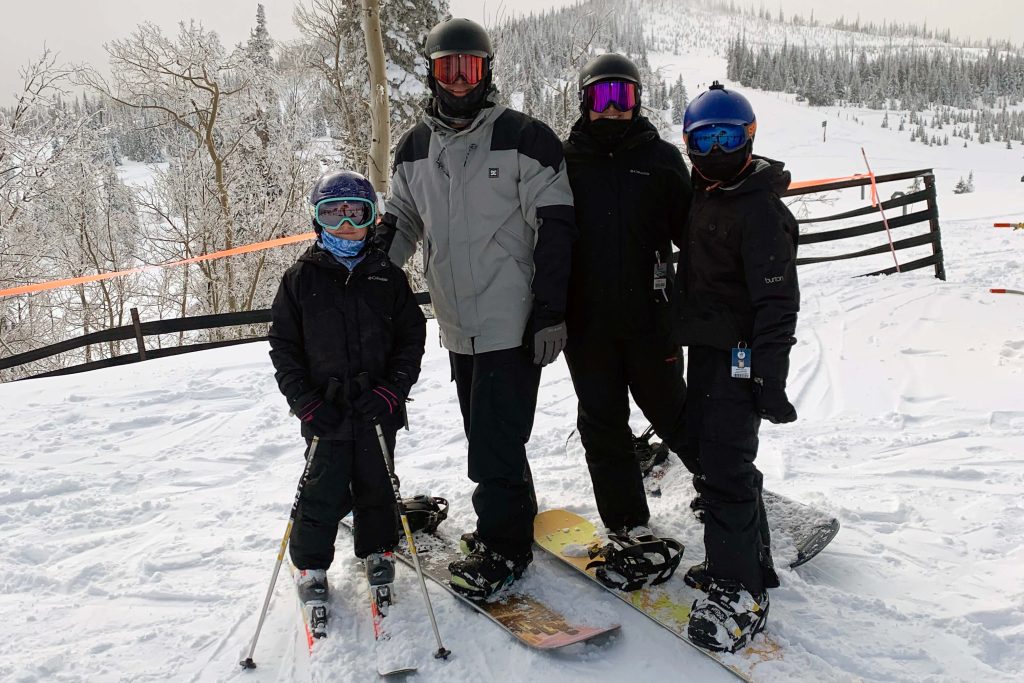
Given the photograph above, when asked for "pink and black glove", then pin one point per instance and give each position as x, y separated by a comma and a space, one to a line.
321, 415
378, 403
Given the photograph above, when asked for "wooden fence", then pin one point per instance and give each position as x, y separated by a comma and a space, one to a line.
930, 216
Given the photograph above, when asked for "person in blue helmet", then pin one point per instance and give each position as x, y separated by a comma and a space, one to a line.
739, 299
346, 339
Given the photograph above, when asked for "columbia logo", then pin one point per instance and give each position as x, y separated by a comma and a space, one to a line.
633, 170
378, 278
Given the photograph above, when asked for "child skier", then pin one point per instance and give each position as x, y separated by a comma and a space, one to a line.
346, 339
739, 301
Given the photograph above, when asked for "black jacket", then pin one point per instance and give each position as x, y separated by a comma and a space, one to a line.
327, 322
738, 276
631, 199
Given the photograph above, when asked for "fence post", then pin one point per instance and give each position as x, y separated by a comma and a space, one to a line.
138, 334
898, 194
933, 222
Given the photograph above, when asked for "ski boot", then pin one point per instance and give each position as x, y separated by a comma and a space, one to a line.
484, 572
727, 618
631, 561
313, 594
380, 574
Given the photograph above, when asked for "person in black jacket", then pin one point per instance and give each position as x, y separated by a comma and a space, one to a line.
346, 339
631, 192
739, 301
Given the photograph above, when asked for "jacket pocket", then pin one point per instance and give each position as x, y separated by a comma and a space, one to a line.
515, 244
428, 251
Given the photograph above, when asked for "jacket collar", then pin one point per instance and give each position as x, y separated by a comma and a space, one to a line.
490, 111
376, 259
640, 132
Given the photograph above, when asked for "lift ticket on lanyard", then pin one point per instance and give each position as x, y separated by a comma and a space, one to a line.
741, 362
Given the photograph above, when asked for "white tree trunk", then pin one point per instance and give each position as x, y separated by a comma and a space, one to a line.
380, 118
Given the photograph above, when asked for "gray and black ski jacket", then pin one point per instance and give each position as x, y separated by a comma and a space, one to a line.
493, 207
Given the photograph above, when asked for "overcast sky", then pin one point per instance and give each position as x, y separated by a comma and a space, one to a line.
77, 29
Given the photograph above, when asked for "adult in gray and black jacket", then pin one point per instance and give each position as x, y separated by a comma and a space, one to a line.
485, 189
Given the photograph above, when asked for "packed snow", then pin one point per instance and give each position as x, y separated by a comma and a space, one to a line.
142, 507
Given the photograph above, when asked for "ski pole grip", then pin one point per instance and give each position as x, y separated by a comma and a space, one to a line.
333, 387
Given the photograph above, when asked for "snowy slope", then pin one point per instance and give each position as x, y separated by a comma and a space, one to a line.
141, 507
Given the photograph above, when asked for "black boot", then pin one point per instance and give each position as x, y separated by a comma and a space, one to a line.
484, 572
727, 618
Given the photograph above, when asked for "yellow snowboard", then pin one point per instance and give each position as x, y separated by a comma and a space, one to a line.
568, 536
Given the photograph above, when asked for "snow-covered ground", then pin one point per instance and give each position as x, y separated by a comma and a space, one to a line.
141, 507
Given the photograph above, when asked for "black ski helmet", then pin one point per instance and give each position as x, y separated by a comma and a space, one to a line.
457, 37
609, 66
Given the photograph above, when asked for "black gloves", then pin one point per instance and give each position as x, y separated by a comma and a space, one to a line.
321, 415
545, 336
378, 402
771, 402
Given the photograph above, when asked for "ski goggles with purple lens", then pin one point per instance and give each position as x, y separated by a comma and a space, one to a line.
599, 96
332, 213
729, 137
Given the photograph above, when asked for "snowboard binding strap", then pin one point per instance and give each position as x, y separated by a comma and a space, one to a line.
628, 564
425, 513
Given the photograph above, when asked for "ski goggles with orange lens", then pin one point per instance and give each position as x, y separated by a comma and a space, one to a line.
332, 213
599, 96
447, 69
728, 137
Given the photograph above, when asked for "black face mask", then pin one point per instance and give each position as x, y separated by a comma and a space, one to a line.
609, 131
466, 107
721, 167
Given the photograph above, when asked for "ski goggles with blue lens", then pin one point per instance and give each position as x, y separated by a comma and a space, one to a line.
333, 212
728, 137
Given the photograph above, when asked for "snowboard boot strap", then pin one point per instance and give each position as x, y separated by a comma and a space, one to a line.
424, 512
628, 564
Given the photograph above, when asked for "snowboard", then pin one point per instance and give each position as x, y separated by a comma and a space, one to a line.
566, 536
799, 531
524, 617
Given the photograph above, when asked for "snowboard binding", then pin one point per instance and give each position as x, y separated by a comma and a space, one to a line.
424, 512
649, 455
628, 564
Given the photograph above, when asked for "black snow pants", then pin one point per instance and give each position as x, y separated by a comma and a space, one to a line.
346, 476
498, 396
722, 428
604, 372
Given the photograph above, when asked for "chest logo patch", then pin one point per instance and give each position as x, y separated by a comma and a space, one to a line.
492, 173
377, 278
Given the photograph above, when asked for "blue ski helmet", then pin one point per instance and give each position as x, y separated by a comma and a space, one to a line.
719, 105
340, 184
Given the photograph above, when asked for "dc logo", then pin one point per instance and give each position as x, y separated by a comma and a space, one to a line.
492, 173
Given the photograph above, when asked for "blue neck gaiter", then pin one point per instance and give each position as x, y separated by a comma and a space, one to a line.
347, 252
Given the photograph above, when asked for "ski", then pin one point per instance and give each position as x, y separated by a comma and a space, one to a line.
567, 536
392, 657
521, 615
313, 614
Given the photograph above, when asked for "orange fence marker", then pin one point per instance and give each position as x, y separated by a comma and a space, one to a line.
67, 282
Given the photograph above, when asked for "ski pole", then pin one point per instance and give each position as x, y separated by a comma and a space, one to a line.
442, 652
1015, 226
1000, 290
247, 662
